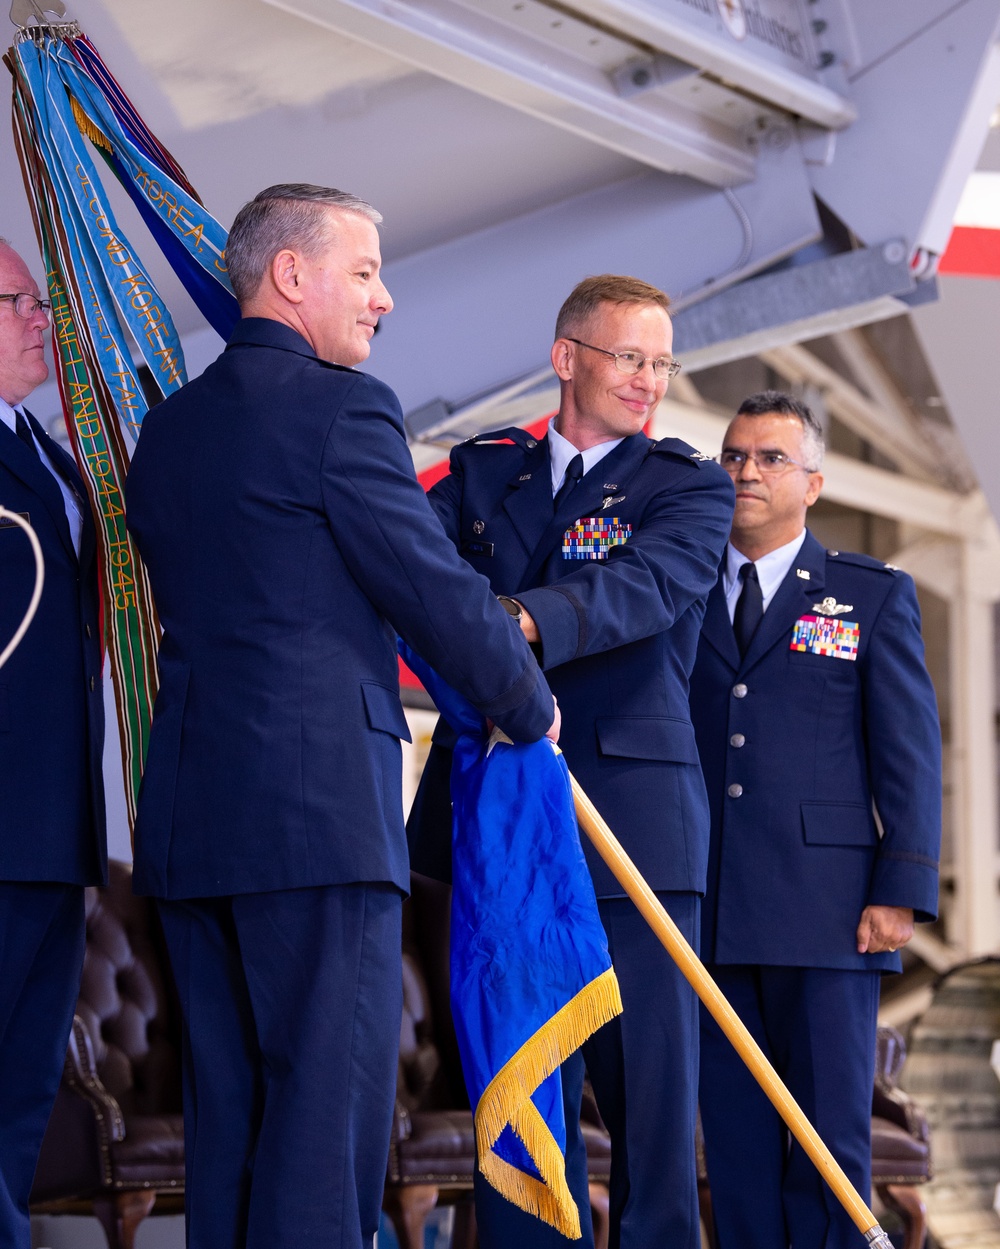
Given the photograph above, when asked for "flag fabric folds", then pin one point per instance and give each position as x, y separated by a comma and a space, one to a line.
103, 303
531, 978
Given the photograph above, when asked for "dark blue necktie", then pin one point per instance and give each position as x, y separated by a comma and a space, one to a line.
574, 471
749, 608
23, 430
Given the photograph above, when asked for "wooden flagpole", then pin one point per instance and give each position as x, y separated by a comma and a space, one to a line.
628, 876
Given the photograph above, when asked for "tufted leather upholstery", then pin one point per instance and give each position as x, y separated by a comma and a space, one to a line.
116, 1136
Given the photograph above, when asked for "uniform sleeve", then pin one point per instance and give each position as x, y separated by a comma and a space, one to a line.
903, 740
646, 584
446, 499
398, 553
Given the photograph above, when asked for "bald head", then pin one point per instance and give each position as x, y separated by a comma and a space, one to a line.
22, 339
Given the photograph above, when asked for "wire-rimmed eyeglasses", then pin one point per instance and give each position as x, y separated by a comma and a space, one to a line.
26, 305
635, 361
769, 463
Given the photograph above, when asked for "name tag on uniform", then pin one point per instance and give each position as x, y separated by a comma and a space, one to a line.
594, 536
7, 523
826, 635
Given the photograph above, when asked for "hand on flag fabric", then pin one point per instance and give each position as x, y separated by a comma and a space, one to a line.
531, 978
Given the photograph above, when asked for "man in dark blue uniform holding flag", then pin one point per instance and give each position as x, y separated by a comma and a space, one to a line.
607, 544
288, 541
816, 718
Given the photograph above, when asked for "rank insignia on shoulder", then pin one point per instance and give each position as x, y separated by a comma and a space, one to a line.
699, 455
824, 635
830, 607
592, 537
894, 568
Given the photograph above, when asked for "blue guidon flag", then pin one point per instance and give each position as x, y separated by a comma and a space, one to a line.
531, 978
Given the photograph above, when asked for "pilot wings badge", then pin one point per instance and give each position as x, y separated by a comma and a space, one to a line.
830, 607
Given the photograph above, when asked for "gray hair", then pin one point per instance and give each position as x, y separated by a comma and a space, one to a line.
290, 214
776, 402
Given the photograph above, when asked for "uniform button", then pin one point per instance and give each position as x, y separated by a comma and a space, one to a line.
735, 791
740, 690
93, 684
531, 444
737, 740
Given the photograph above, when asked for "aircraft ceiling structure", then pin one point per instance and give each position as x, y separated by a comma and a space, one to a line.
784, 168
800, 162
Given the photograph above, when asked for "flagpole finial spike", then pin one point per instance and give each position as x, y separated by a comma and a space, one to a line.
25, 13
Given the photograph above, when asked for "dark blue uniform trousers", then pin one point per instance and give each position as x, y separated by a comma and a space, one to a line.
817, 1027
291, 1004
41, 956
644, 1070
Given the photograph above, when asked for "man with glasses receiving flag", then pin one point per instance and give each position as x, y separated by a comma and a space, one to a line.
608, 544
814, 711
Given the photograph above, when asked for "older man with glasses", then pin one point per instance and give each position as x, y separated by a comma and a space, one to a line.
818, 733
609, 544
52, 841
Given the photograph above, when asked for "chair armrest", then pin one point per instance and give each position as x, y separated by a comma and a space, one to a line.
402, 1124
899, 1108
80, 1074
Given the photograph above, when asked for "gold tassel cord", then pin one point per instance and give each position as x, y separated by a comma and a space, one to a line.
87, 127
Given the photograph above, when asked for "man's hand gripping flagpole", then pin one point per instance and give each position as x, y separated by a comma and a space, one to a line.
625, 872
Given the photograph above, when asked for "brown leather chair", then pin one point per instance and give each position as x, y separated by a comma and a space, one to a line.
115, 1142
900, 1147
432, 1153
901, 1150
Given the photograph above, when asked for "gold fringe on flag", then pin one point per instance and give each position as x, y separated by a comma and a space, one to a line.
507, 1100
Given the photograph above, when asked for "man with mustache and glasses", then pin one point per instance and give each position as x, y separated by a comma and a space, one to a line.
818, 733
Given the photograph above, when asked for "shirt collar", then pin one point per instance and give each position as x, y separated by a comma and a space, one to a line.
772, 568
561, 451
7, 414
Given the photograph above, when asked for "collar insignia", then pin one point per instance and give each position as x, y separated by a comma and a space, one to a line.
524, 477
830, 607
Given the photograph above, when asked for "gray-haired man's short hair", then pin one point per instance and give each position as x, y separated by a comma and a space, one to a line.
776, 402
290, 214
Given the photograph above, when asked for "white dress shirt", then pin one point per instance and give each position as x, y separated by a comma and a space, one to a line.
772, 569
561, 452
71, 502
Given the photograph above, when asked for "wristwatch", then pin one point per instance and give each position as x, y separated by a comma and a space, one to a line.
511, 606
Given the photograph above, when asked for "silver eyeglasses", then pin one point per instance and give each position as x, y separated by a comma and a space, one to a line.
26, 305
769, 463
635, 362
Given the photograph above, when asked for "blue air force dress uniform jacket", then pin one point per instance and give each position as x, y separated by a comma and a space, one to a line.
616, 581
829, 717
287, 540
52, 838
